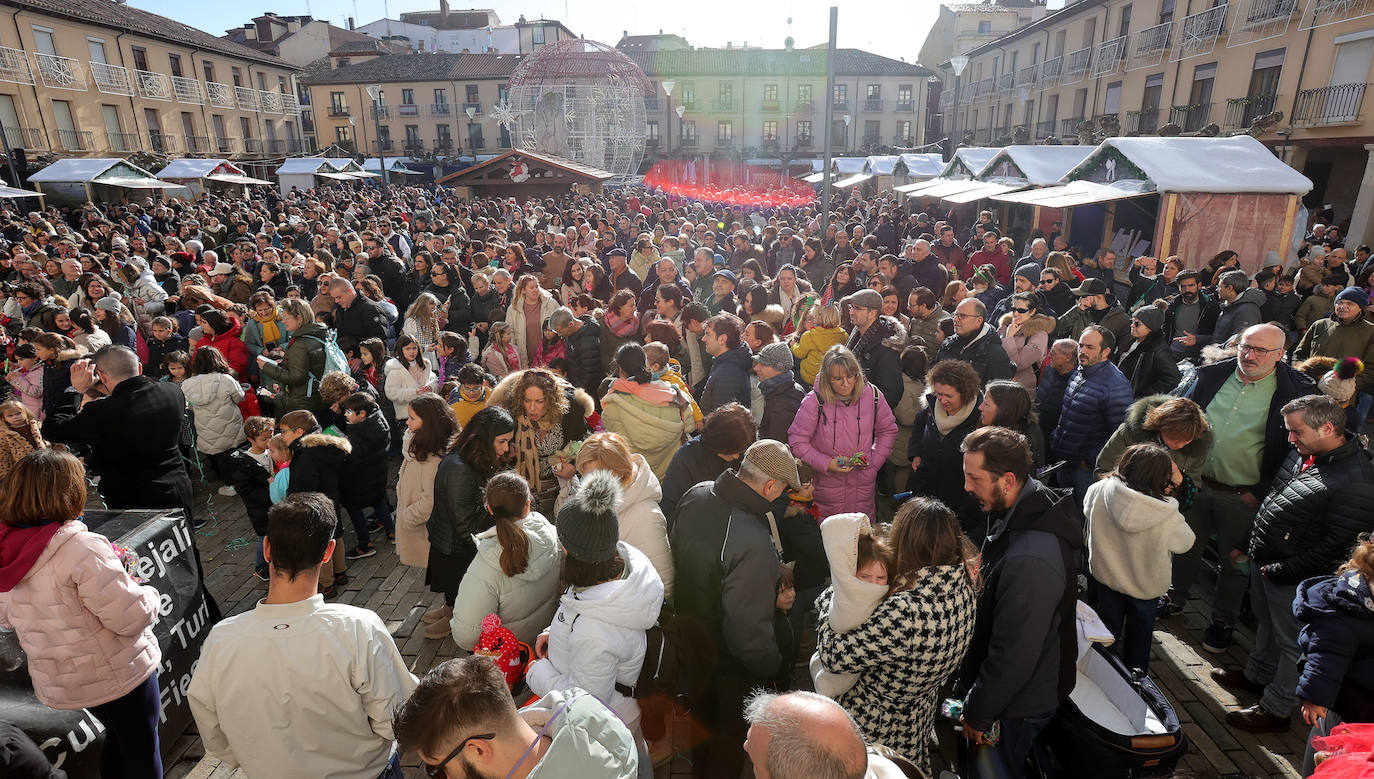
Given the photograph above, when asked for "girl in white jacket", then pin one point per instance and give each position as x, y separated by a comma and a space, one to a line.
597, 641
213, 395
642, 524
1133, 528
407, 375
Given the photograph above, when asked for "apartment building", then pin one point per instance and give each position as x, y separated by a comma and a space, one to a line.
1141, 64
473, 30
437, 103
771, 102
92, 77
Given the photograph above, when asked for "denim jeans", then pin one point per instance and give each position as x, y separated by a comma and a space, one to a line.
1132, 621
1080, 479
131, 741
393, 768
1006, 759
1226, 515
382, 511
259, 559
1274, 661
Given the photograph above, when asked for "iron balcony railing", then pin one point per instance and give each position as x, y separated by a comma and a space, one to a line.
1069, 127
1334, 104
1050, 69
381, 112
476, 108
841, 104
651, 103
226, 145
1142, 122
338, 110
153, 86
1076, 63
689, 141
804, 141
252, 146
769, 106
906, 106
221, 95
384, 144
1241, 111
727, 104
1006, 83
873, 104
414, 144
1190, 118
197, 144
1045, 129
1026, 76
122, 142
76, 140
276, 146
440, 109
25, 137
161, 142
111, 79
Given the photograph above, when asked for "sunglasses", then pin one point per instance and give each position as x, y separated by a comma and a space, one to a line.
1021, 310
435, 770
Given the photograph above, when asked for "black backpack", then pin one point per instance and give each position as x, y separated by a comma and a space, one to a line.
664, 672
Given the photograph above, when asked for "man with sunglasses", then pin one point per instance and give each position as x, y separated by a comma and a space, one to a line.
462, 722
339, 662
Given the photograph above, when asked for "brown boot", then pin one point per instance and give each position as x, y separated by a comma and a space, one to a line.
440, 614
438, 629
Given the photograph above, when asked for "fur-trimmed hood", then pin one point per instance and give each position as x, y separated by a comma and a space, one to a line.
1038, 323
773, 315
310, 440
502, 396
1135, 422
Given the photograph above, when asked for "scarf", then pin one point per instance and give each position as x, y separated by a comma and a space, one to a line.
271, 330
946, 423
621, 328
527, 451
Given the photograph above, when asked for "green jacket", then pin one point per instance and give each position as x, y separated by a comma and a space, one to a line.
1189, 459
1329, 338
1072, 322
304, 359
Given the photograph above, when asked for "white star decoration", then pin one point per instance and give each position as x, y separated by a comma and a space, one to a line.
503, 114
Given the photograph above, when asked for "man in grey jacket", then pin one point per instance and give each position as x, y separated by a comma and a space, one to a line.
726, 550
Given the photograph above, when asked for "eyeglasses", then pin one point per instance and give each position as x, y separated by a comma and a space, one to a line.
1258, 352
1137, 323
434, 770
967, 316
1021, 310
438, 273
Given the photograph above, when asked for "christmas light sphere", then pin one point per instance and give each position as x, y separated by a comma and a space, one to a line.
581, 100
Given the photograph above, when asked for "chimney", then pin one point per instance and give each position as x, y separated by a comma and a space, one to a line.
350, 22
443, 12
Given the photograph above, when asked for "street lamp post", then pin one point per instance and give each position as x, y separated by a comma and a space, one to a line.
668, 85
375, 92
958, 63
471, 112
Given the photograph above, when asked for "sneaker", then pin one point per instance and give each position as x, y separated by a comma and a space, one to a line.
1235, 680
262, 574
341, 579
1217, 638
374, 525
1165, 607
197, 524
361, 552
328, 592
227, 491
1256, 720
391, 538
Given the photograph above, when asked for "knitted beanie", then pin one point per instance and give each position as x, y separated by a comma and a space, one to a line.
587, 523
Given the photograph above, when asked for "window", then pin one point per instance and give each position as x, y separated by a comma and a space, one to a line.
1089, 32
985, 28
218, 120
1111, 103
841, 95
1204, 76
209, 70
475, 139
262, 82
62, 111
343, 135
804, 129
336, 103
904, 129
188, 125
803, 94
1124, 27
443, 139
441, 97
281, 84
1029, 113
412, 135
407, 97
471, 90
1052, 109
770, 92
1035, 53
873, 92
653, 131
905, 101
1265, 78
383, 136
725, 131
111, 116
1060, 39
689, 93
1011, 66
1154, 91
727, 92
1166, 11
688, 131
770, 131
872, 129
537, 34
342, 62
97, 48
238, 77
151, 118
174, 60
141, 58
246, 128
504, 137
839, 133
502, 94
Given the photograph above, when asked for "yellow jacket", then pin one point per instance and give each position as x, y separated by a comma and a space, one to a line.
671, 376
465, 409
812, 346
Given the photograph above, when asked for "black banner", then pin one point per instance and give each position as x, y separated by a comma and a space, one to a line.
72, 740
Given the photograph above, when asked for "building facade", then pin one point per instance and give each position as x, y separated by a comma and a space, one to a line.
1291, 72
95, 78
476, 31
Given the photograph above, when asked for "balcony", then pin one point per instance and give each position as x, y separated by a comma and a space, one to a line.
1045, 129
380, 112
1265, 11
769, 106
1190, 117
839, 141
111, 79
1143, 122
726, 104
413, 145
161, 142
688, 141
1050, 70
385, 144
252, 146
188, 91
477, 144
1197, 35
651, 103
724, 143
906, 106
14, 66
1076, 64
407, 109
804, 108
298, 146
1068, 128
689, 104
769, 144
60, 72
982, 136
276, 146
1025, 77
440, 109
986, 88
1148, 46
122, 142
290, 104
873, 104
841, 104
76, 140
338, 111
247, 98
443, 145
650, 143
308, 122
1335, 104
153, 86
271, 102
25, 138
226, 145
871, 140
220, 95
476, 108
197, 144
1006, 83
1109, 56
903, 140
1241, 111
803, 142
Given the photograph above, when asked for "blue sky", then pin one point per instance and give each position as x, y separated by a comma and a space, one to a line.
864, 24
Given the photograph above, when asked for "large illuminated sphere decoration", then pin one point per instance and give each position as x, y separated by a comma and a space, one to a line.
581, 100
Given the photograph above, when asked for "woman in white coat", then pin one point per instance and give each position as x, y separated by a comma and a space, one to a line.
530, 307
642, 524
430, 426
596, 640
213, 394
406, 376
515, 573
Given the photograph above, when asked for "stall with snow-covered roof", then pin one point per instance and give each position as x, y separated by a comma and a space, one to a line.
99, 180
1192, 197
882, 167
956, 178
915, 168
303, 173
1018, 168
216, 176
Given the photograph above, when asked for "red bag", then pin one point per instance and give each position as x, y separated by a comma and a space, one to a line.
249, 407
509, 653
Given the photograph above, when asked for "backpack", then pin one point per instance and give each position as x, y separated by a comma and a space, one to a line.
334, 359
665, 665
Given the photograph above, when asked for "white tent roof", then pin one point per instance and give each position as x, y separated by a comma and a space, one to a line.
298, 165
881, 164
857, 178
1042, 166
977, 190
1076, 193
974, 158
9, 192
928, 165
233, 178
77, 169
329, 174
393, 164
1238, 164
814, 178
192, 168
848, 166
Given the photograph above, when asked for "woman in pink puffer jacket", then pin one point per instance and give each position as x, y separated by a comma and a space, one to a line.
842, 416
85, 625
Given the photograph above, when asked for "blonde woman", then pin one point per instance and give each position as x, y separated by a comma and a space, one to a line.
642, 524
530, 307
422, 324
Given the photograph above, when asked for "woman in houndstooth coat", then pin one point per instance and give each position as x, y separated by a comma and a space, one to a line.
915, 640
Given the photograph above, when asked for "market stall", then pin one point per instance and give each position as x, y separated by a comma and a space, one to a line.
216, 176
1192, 197
302, 173
1023, 167
915, 168
98, 180
882, 167
12, 193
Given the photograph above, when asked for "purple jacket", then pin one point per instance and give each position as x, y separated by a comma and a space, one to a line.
823, 431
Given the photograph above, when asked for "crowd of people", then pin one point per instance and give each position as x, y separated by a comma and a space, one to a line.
605, 424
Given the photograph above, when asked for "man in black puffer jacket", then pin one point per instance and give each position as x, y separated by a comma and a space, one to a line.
1321, 501
731, 364
977, 343
582, 337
